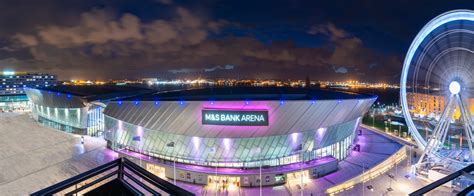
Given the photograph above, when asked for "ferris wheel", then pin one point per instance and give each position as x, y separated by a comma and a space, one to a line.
437, 89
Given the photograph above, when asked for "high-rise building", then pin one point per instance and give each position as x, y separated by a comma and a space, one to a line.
13, 83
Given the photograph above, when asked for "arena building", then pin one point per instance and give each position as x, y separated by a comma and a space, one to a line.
239, 127
76, 109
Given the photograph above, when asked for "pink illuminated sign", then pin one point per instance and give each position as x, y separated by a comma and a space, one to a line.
235, 117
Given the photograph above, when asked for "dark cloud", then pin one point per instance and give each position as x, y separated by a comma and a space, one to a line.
105, 41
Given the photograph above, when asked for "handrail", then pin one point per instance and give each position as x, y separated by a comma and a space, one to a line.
442, 181
375, 171
76, 179
124, 167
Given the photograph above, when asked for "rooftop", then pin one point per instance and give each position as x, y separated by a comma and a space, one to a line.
250, 93
98, 92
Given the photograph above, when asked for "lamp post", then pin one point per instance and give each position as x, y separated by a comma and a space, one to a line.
390, 125
174, 170
399, 129
373, 119
260, 172
171, 145
391, 176
301, 167
363, 182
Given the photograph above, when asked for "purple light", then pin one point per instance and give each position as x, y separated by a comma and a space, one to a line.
140, 131
120, 125
247, 102
321, 132
212, 102
294, 137
227, 143
196, 143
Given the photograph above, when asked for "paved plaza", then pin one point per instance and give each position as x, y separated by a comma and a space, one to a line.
34, 156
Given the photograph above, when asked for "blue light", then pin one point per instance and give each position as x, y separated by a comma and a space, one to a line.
282, 102
157, 102
136, 102
49, 92
119, 102
68, 95
58, 94
313, 102
181, 103
247, 102
8, 73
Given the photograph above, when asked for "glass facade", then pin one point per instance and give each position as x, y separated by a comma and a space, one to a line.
84, 121
233, 152
13, 102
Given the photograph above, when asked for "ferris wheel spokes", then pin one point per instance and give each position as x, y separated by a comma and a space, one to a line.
439, 134
467, 123
434, 141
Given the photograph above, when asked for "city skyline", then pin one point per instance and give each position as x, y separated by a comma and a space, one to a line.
100, 40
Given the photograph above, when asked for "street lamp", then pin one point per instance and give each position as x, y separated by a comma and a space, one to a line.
171, 145
301, 167
373, 119
390, 124
371, 188
391, 176
363, 172
399, 129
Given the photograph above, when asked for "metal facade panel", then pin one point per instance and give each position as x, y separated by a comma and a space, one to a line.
289, 117
54, 100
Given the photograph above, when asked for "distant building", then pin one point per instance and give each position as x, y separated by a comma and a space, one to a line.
13, 83
426, 105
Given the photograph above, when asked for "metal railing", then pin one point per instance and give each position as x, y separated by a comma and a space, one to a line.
135, 178
463, 172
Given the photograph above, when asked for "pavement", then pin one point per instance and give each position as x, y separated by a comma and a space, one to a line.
33, 156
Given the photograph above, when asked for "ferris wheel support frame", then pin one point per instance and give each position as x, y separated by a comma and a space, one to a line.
439, 134
420, 37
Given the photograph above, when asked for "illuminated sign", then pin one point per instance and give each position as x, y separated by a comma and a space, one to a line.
235, 117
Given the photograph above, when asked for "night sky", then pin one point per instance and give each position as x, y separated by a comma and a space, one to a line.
362, 40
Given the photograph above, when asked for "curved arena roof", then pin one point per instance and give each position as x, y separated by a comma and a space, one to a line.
290, 110
250, 93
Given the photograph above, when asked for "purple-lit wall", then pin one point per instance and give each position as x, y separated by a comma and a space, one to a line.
184, 118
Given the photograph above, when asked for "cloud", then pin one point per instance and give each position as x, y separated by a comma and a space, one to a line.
26, 40
191, 70
100, 27
330, 30
225, 67
183, 70
102, 41
340, 70
166, 2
